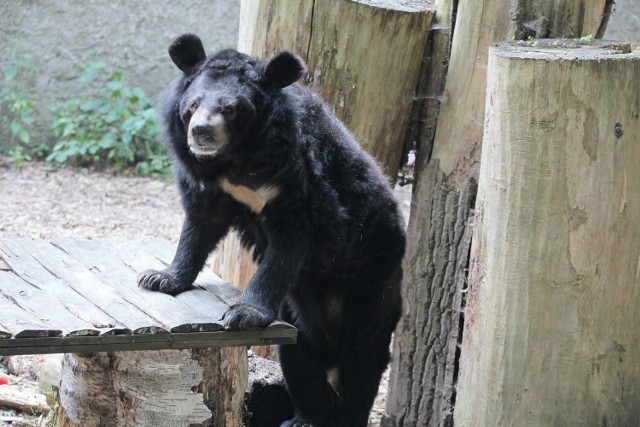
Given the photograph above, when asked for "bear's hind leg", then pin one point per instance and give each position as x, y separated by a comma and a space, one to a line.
314, 399
360, 370
364, 351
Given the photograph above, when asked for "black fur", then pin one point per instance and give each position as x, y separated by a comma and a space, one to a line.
186, 51
329, 239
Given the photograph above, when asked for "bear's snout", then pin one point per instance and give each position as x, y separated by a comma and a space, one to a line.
201, 130
207, 134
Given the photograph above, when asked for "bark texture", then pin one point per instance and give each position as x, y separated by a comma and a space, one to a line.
82, 396
556, 19
427, 344
423, 367
224, 382
154, 388
555, 261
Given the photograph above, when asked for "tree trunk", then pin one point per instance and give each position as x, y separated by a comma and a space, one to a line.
424, 364
202, 387
232, 263
224, 383
426, 349
551, 333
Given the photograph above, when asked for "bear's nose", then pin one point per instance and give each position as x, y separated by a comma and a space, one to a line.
200, 130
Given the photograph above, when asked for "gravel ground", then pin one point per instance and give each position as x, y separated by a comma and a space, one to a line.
42, 201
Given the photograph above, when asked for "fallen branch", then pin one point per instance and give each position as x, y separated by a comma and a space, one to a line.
25, 401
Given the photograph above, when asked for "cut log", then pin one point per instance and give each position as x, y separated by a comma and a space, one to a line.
14, 397
232, 263
558, 19
551, 334
224, 383
427, 347
156, 388
422, 384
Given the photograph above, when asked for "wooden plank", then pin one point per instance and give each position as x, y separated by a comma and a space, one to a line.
141, 255
286, 335
3, 332
41, 303
209, 295
116, 271
20, 323
87, 282
207, 279
33, 272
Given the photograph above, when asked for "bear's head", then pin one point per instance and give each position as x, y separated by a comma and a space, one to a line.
225, 94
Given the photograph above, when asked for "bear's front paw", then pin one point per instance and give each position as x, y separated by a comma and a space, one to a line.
246, 316
161, 281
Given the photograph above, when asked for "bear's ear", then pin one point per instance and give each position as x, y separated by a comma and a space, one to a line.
284, 69
186, 51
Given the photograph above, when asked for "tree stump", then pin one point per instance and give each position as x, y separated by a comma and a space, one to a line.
427, 342
551, 334
203, 387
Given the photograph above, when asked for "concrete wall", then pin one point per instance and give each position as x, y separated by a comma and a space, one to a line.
131, 36
624, 23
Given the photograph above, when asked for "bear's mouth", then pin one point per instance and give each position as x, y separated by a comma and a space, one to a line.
206, 149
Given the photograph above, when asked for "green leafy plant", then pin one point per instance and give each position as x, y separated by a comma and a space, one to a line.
587, 39
113, 126
18, 111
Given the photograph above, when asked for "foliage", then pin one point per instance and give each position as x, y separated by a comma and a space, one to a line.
587, 39
18, 111
113, 126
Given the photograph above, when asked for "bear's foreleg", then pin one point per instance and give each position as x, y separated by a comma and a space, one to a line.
260, 301
198, 238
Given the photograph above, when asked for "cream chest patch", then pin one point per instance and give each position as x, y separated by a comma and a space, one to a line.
254, 199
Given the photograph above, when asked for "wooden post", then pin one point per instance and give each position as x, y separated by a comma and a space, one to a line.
203, 387
427, 342
551, 334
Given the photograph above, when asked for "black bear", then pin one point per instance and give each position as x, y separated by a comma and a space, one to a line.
257, 153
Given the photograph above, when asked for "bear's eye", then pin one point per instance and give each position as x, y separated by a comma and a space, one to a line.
229, 111
193, 106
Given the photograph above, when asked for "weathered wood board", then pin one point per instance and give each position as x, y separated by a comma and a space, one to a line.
72, 295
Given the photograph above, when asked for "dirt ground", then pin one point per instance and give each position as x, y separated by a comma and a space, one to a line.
39, 200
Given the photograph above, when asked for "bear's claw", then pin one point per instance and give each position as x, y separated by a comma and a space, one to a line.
247, 316
160, 281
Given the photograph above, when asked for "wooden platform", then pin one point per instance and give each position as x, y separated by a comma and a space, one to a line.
79, 296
